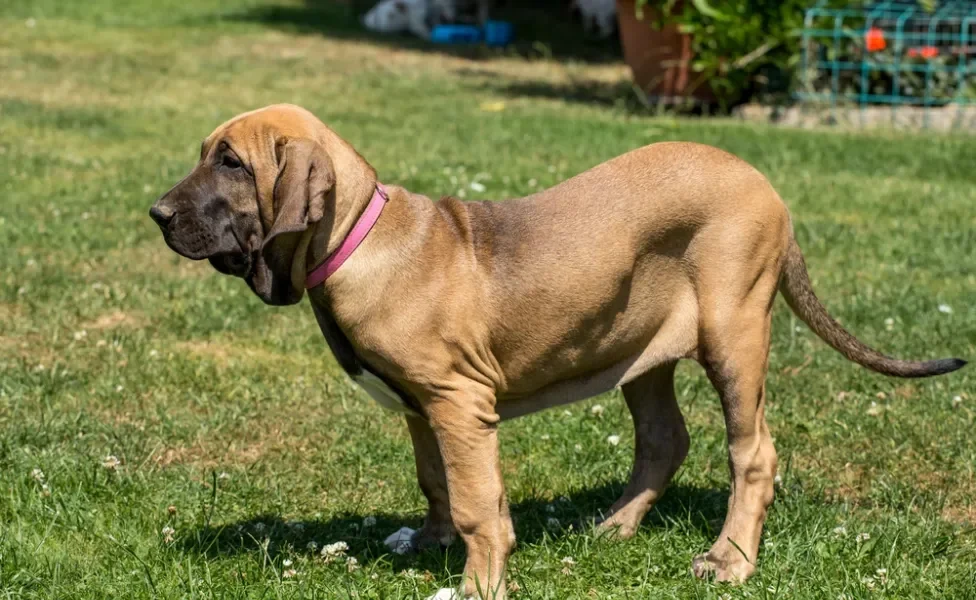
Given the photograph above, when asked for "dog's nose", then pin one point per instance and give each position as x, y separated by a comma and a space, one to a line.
162, 214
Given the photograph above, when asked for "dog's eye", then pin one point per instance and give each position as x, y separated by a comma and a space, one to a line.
230, 162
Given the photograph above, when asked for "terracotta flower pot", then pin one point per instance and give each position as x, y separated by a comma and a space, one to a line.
660, 59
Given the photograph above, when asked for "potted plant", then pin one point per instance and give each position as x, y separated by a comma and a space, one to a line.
659, 54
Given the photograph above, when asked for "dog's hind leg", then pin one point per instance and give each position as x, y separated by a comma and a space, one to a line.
736, 350
660, 446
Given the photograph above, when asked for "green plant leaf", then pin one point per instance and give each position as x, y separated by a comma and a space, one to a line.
706, 9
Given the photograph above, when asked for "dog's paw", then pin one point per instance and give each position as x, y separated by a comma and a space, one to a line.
706, 566
400, 541
448, 594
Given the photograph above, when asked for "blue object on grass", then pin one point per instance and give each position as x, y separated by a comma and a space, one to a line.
498, 33
455, 34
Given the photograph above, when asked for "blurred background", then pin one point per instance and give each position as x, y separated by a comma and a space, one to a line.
165, 434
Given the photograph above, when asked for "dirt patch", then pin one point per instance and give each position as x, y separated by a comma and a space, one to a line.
960, 515
226, 353
128, 262
114, 320
243, 449
9, 311
30, 348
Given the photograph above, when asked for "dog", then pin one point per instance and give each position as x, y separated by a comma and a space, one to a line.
464, 314
418, 16
599, 16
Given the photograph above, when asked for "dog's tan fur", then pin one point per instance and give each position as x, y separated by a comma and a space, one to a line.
484, 311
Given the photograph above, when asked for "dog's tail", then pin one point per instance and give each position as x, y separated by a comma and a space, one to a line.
796, 288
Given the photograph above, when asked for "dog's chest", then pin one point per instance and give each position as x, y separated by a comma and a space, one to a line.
358, 371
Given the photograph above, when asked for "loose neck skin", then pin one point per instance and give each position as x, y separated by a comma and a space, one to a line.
377, 263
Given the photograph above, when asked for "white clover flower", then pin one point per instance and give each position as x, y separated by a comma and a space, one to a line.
168, 533
956, 401
286, 562
477, 186
290, 573
613, 440
862, 537
351, 563
552, 523
840, 531
111, 462
369, 521
334, 550
80, 335
597, 410
38, 475
945, 309
568, 561
312, 546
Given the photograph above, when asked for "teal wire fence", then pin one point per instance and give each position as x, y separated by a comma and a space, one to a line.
892, 53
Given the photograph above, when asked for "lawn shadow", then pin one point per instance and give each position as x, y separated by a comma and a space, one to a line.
364, 533
543, 29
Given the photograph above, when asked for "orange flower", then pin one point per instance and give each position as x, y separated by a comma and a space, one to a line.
923, 52
874, 40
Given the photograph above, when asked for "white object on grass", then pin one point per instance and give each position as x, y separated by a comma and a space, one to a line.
415, 16
400, 541
447, 594
598, 15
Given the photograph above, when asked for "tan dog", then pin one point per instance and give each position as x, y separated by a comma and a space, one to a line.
477, 312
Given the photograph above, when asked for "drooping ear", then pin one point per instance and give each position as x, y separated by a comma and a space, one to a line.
304, 182
305, 178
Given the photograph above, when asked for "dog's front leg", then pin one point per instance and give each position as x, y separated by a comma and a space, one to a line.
465, 425
438, 527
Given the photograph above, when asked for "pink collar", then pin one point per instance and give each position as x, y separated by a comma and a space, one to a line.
359, 232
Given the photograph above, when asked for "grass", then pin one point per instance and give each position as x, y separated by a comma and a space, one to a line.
235, 428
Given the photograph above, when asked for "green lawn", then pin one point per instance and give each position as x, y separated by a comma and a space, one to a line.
234, 427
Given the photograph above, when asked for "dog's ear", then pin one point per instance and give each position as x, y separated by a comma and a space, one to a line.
302, 188
305, 177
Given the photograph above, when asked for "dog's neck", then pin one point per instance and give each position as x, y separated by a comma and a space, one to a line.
377, 264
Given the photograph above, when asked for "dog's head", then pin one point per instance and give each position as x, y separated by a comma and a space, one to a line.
263, 179
390, 16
